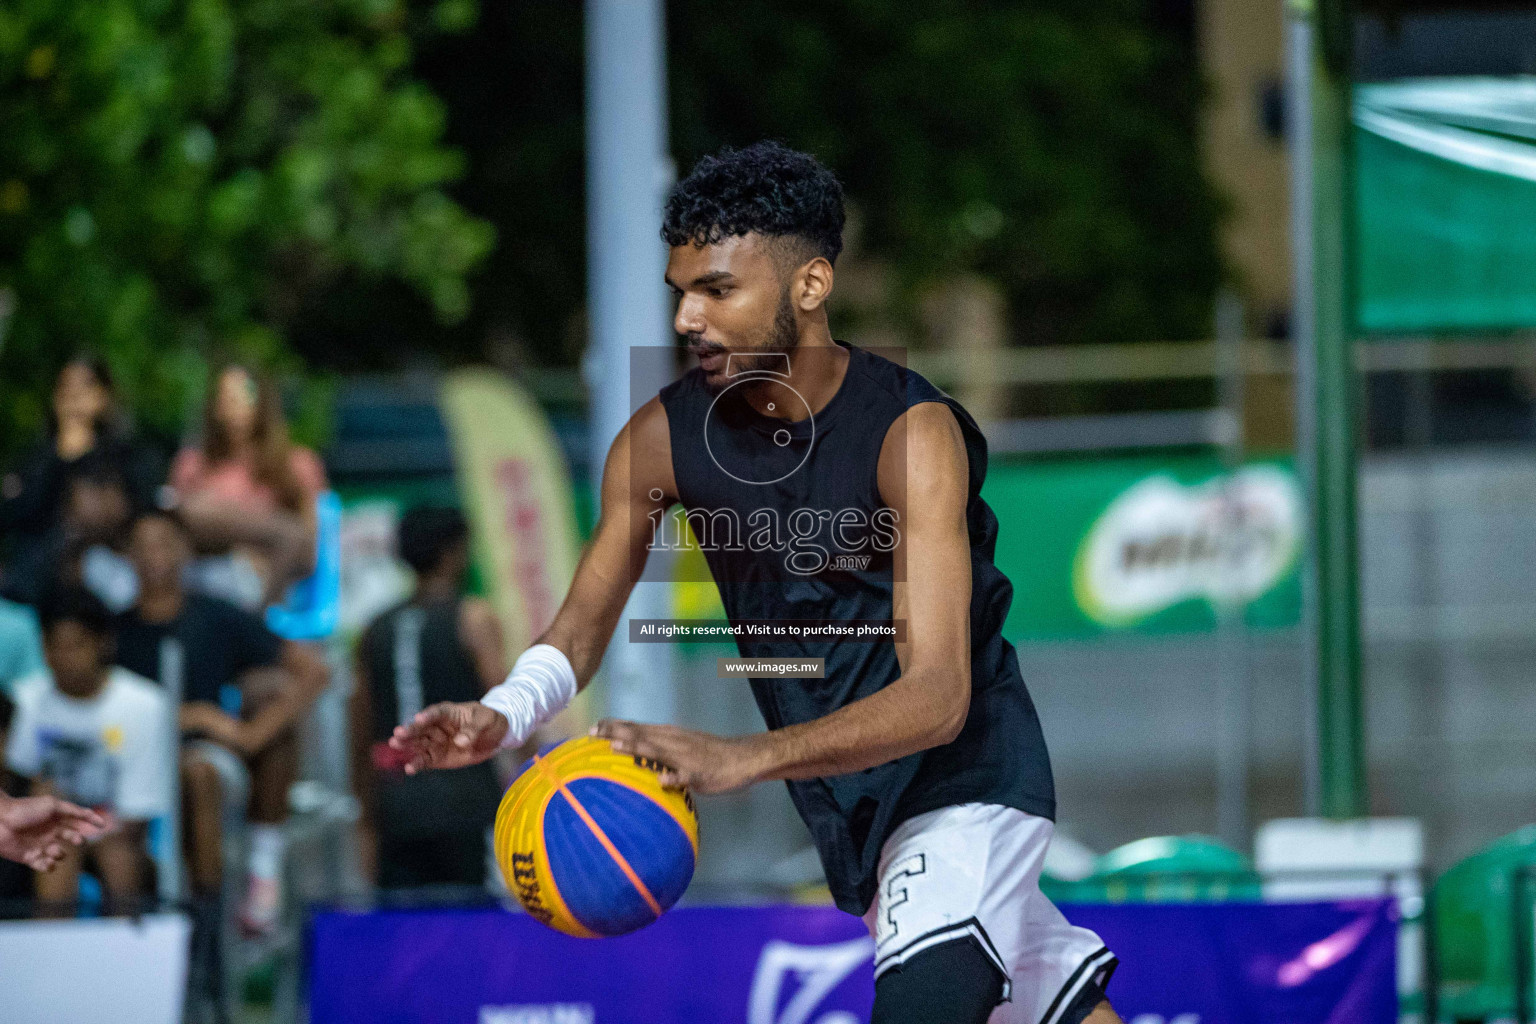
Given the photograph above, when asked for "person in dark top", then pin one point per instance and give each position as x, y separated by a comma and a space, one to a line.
242, 690
85, 426
827, 483
84, 546
421, 830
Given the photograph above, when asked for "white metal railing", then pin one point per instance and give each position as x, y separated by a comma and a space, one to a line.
1142, 362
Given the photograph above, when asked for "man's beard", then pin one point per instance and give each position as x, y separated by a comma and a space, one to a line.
770, 354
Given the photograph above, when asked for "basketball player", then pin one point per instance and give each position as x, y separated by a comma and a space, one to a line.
825, 482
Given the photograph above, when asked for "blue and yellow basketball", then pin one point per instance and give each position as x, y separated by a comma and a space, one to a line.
589, 841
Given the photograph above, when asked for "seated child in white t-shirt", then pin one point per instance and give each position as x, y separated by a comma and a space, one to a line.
99, 736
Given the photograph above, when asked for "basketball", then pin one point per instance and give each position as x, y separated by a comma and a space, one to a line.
590, 843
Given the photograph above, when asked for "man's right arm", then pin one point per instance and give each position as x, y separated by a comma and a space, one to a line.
637, 485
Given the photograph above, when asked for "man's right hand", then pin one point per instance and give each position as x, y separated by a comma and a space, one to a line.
449, 736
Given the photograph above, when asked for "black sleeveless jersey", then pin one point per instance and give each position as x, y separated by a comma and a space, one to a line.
790, 519
415, 659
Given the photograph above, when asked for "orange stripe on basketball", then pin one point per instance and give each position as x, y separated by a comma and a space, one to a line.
602, 837
563, 919
688, 833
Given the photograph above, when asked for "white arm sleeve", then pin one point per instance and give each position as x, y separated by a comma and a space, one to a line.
542, 682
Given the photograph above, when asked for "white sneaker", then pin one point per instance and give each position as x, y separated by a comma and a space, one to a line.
262, 907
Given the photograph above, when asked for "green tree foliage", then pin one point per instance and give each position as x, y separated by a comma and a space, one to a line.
1049, 145
513, 89
179, 177
1052, 146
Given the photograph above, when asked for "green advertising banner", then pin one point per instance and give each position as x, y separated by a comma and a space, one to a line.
1153, 544
1134, 545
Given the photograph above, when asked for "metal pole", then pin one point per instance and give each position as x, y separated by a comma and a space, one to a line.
1298, 119
1326, 409
168, 862
628, 174
1233, 742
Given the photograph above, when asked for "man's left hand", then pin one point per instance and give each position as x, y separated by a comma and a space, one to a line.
693, 760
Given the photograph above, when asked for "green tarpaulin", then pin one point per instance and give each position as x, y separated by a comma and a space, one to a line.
1445, 193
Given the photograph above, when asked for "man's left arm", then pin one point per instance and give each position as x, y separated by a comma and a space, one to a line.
924, 477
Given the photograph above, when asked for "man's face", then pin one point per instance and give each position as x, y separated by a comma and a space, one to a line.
159, 551
75, 657
733, 306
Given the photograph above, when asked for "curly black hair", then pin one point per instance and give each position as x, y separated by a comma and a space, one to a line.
766, 188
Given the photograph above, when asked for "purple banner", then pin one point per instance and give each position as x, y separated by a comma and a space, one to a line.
1313, 963
1250, 963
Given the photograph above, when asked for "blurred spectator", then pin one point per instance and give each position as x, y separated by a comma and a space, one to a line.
96, 520
82, 549
21, 644
246, 487
85, 425
242, 689
97, 735
426, 829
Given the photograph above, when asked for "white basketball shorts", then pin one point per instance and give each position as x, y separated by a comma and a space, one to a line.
973, 870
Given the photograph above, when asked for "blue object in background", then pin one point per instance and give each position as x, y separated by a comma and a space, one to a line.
313, 605
21, 644
88, 891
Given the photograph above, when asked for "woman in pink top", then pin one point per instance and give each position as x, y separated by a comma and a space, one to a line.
246, 485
